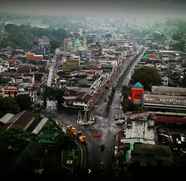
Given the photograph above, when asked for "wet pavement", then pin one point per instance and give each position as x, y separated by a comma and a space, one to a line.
103, 131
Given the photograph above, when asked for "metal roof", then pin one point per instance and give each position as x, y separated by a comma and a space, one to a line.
6, 118
40, 126
176, 91
164, 99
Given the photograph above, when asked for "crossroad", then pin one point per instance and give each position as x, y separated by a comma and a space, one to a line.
104, 125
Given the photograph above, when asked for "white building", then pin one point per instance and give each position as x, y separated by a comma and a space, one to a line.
139, 131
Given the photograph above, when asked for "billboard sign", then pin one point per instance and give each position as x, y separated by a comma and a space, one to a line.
137, 95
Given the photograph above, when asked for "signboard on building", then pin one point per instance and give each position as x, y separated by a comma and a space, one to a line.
137, 93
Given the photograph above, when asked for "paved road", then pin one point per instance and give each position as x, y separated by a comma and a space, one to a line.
104, 127
51, 71
107, 126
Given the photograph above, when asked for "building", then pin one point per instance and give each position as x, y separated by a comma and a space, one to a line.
44, 45
172, 91
68, 45
137, 94
139, 130
165, 81
153, 130
24, 121
165, 98
33, 57
6, 119
71, 63
8, 91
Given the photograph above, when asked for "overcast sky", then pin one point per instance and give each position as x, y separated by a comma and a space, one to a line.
95, 7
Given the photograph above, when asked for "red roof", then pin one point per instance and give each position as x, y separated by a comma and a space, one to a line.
169, 119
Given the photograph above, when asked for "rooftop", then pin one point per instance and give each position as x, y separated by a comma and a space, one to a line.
6, 118
176, 91
165, 99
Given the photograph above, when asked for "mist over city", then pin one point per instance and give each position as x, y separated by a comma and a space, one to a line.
88, 7
93, 88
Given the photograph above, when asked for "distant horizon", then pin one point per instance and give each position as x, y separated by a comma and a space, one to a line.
115, 8
139, 19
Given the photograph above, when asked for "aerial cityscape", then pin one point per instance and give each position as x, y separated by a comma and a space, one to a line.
92, 94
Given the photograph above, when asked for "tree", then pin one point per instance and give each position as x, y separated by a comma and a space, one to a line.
59, 96
158, 36
53, 94
125, 93
148, 76
24, 102
179, 37
179, 46
14, 105
4, 80
184, 80
8, 105
23, 36
54, 44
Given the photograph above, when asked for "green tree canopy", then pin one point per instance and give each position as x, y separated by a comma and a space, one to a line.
23, 36
14, 104
148, 76
8, 105
53, 94
24, 102
125, 93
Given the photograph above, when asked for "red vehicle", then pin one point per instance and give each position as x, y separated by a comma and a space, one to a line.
97, 134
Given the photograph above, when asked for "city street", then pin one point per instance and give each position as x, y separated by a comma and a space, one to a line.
104, 130
108, 128
92, 89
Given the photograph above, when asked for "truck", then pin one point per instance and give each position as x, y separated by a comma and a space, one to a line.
81, 138
72, 132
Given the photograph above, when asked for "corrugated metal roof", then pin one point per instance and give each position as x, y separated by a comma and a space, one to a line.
21, 120
6, 118
176, 91
165, 99
169, 119
40, 126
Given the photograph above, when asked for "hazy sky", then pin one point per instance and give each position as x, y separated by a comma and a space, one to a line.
95, 7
